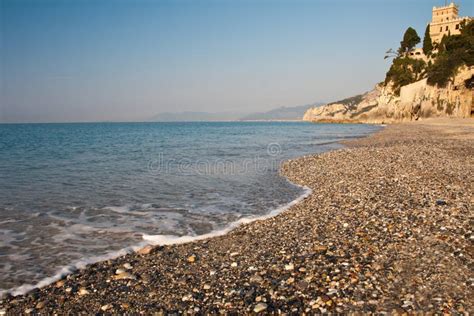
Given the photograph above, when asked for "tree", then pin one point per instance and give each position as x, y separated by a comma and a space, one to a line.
467, 28
453, 52
391, 54
427, 43
404, 70
410, 39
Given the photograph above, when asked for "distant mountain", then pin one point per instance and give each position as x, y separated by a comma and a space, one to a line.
282, 113
189, 116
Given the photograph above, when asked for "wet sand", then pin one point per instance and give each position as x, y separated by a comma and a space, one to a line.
387, 228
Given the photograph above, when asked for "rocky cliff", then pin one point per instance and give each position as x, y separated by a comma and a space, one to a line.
416, 101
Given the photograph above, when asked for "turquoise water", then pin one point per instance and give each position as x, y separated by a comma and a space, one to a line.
75, 191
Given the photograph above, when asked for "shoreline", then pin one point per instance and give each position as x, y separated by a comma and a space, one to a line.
166, 240
211, 276
151, 241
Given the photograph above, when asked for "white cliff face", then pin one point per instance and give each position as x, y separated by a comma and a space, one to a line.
416, 101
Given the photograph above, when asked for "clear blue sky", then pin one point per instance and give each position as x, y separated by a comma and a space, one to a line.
81, 60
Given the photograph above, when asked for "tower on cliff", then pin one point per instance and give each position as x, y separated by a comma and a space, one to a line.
445, 21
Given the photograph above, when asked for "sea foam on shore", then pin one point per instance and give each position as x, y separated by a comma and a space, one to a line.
155, 240
171, 240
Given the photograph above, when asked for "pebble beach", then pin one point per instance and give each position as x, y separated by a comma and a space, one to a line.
388, 228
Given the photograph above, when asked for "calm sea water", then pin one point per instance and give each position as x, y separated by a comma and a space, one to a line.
69, 192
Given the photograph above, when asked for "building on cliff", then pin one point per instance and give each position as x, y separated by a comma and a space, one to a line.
417, 53
445, 21
392, 101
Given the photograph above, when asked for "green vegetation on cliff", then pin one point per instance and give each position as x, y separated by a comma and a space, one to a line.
405, 70
445, 58
350, 102
453, 52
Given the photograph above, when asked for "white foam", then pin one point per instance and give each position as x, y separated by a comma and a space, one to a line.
119, 209
153, 240
129, 210
172, 239
23, 289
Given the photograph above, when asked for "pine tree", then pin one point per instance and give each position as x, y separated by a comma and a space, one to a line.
410, 39
427, 43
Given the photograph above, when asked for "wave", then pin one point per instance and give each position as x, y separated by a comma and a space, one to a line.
173, 240
152, 240
62, 272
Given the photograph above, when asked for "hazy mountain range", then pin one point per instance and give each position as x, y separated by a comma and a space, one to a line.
279, 114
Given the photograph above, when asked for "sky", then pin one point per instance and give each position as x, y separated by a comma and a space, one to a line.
127, 60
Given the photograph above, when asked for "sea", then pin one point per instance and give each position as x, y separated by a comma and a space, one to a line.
75, 193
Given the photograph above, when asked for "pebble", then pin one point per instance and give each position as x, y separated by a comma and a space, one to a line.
125, 305
331, 292
145, 250
320, 249
83, 291
256, 279
260, 307
124, 276
301, 285
187, 298
191, 259
289, 267
105, 307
